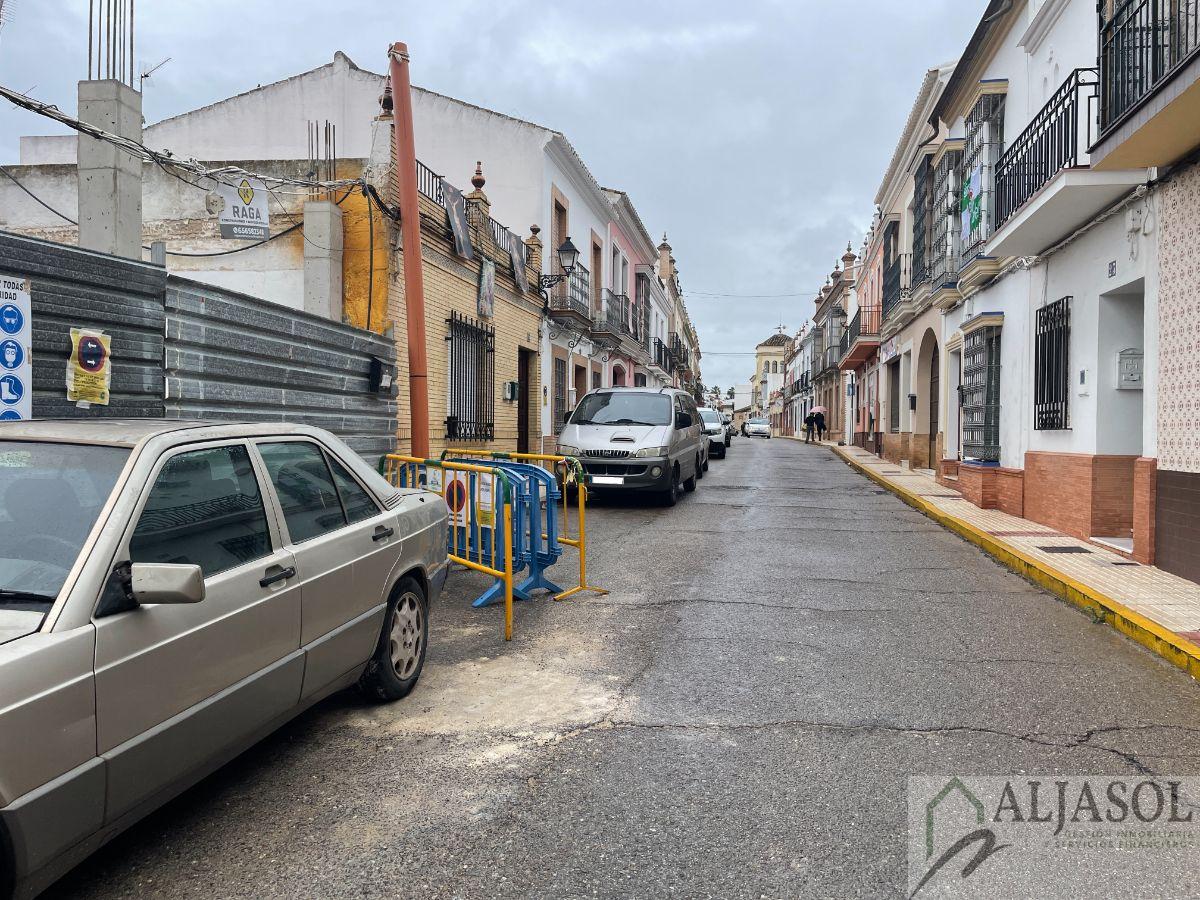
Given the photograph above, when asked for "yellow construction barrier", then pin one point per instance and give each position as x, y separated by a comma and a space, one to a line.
475, 538
572, 470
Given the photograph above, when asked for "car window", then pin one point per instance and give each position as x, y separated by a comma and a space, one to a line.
310, 502
205, 509
50, 497
710, 417
623, 408
357, 502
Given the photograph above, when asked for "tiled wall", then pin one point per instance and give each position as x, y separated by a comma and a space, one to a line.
1179, 323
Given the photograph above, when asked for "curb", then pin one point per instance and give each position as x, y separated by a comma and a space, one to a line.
1174, 649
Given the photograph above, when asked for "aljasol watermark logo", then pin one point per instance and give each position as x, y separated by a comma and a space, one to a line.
1053, 835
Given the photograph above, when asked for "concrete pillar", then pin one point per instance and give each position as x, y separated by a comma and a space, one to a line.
110, 180
323, 259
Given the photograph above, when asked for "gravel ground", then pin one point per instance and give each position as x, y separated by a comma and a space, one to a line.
736, 719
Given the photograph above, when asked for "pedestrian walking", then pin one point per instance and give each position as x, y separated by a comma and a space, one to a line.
820, 423
810, 424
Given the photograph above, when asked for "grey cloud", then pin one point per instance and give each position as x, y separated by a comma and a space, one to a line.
754, 133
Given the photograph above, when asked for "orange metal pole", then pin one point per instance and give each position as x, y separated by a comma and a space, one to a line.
405, 162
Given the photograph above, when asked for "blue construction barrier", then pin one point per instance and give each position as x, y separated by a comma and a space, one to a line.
474, 533
535, 526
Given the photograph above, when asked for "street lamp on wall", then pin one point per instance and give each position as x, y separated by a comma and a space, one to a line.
568, 256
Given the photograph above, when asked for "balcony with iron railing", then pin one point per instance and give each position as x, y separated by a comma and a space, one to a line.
896, 280
607, 322
573, 305
661, 356
1044, 186
1149, 53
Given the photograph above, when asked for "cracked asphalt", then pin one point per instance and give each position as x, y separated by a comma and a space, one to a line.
736, 719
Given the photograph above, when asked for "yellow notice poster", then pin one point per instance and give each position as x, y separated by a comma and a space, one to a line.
89, 370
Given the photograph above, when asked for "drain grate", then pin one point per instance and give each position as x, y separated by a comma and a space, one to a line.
1126, 564
1065, 549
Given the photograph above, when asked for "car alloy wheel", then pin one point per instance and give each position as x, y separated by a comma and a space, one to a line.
406, 636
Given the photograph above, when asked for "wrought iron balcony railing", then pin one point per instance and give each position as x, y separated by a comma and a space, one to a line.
1056, 139
896, 281
429, 183
1142, 44
576, 297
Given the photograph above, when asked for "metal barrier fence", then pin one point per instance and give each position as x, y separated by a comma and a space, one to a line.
481, 535
546, 537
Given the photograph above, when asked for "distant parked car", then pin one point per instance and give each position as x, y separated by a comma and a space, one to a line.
758, 428
638, 439
715, 432
172, 591
728, 429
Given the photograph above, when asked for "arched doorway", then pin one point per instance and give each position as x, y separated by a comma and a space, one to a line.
618, 376
926, 384
935, 390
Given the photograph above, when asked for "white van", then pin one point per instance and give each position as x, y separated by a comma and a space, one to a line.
637, 439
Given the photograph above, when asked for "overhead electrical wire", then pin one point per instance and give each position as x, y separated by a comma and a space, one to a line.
66, 218
223, 174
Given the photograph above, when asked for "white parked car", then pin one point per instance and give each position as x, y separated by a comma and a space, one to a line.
715, 432
758, 428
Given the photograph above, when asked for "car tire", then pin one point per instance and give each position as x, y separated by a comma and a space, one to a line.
704, 468
399, 657
689, 486
671, 495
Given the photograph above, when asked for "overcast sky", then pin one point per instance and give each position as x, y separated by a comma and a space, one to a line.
755, 133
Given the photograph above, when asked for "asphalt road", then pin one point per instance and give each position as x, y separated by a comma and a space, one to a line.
736, 719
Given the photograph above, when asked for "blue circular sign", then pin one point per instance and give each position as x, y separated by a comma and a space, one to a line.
11, 389
11, 320
11, 354
8, 415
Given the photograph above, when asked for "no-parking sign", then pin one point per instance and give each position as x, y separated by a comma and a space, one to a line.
457, 497
16, 348
89, 370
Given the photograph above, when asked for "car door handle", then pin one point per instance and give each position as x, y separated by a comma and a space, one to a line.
274, 577
382, 533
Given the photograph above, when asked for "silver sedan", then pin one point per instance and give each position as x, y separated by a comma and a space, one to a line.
171, 592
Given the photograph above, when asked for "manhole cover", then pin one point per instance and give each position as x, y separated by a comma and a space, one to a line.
1065, 549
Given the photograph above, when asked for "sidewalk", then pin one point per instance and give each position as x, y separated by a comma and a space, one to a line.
1155, 608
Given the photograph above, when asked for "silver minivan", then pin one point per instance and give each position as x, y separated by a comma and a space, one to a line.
637, 439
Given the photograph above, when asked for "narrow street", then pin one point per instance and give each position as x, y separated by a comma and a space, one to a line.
736, 719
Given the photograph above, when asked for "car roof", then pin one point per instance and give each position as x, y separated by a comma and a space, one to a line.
116, 432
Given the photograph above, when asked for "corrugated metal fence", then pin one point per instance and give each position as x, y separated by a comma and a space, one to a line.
73, 287
230, 356
183, 349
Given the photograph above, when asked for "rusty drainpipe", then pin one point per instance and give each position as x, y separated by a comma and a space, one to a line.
405, 153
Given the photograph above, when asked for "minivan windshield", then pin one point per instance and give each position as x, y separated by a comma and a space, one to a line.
710, 416
50, 496
758, 421
623, 408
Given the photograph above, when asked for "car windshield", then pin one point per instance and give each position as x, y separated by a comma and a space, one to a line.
50, 496
623, 408
758, 421
710, 417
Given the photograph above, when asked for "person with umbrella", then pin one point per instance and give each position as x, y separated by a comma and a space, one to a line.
819, 420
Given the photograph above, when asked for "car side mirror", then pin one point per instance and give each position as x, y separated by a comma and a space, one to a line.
166, 583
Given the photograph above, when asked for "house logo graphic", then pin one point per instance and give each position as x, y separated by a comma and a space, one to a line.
979, 837
246, 192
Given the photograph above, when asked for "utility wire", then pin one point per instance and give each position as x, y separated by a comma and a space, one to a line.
229, 252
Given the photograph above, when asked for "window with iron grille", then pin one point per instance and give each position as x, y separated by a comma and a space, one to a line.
945, 244
922, 184
1051, 378
981, 394
560, 393
472, 380
977, 175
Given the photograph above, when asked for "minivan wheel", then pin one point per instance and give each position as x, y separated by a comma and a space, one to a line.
399, 657
671, 495
690, 484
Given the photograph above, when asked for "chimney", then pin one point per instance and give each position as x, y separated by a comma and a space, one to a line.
664, 259
110, 180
